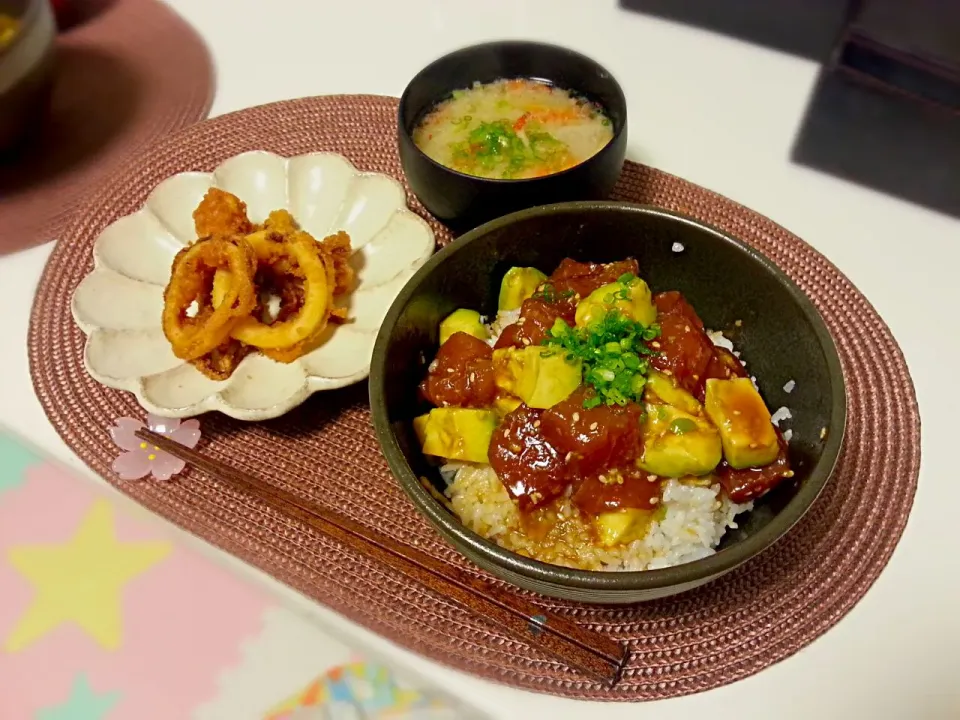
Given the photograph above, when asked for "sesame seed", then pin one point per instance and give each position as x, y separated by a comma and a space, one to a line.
737, 323
654, 500
823, 433
526, 341
567, 458
603, 478
450, 370
668, 372
736, 412
473, 377
593, 426
788, 474
753, 446
655, 344
651, 478
536, 423
576, 417
686, 328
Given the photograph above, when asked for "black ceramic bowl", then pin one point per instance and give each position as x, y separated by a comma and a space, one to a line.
782, 337
464, 201
26, 70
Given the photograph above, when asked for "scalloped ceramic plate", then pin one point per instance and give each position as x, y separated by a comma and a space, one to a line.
119, 304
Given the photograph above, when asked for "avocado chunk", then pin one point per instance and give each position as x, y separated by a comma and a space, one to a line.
741, 416
517, 285
622, 526
456, 433
506, 404
537, 375
677, 444
465, 321
663, 387
632, 299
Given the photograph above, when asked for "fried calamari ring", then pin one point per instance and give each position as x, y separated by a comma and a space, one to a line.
310, 318
191, 281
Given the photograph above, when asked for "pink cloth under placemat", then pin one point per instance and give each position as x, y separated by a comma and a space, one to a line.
107, 613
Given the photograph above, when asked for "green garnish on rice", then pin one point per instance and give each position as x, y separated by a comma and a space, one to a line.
613, 351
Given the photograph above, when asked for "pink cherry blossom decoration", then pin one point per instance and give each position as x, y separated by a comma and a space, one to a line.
141, 458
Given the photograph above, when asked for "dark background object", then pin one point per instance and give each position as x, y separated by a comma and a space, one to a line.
918, 31
907, 48
808, 28
885, 112
464, 201
881, 141
782, 338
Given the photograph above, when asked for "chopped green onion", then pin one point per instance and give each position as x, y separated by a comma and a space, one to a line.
612, 353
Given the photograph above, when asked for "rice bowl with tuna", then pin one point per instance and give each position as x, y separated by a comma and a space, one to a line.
594, 425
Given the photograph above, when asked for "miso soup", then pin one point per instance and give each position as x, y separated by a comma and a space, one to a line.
9, 28
513, 129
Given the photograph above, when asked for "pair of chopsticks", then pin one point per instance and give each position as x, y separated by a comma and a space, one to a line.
588, 652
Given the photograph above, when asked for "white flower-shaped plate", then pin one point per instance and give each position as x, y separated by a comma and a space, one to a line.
119, 304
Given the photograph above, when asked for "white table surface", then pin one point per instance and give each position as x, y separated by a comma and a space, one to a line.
720, 113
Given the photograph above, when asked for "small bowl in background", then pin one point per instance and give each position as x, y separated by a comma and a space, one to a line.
464, 201
782, 338
26, 70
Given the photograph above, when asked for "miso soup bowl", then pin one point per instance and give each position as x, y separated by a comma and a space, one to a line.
464, 201
781, 336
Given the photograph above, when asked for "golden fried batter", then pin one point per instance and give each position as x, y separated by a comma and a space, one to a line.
278, 273
221, 213
281, 221
335, 251
220, 362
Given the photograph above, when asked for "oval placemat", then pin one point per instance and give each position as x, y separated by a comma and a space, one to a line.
326, 451
128, 72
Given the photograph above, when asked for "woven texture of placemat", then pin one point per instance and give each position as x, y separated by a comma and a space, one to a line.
327, 451
130, 73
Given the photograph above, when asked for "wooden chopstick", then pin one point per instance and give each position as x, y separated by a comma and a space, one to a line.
584, 650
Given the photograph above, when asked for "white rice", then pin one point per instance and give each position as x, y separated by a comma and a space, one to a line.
720, 340
689, 526
504, 318
691, 520
779, 415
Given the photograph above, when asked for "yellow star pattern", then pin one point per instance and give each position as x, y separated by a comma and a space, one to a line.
81, 581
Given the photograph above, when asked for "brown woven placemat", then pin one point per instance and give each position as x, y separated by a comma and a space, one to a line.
326, 450
130, 73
